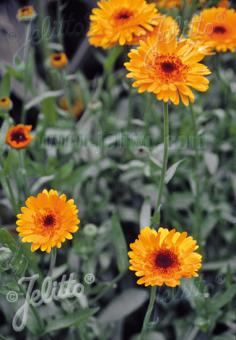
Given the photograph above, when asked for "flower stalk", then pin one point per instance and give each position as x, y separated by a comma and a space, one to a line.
197, 208
149, 312
26, 62
157, 214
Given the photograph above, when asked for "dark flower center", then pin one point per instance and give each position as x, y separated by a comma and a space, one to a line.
3, 100
57, 58
219, 29
165, 259
168, 67
25, 10
123, 15
18, 136
49, 220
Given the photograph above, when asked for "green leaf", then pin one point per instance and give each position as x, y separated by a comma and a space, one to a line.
119, 244
220, 300
77, 319
172, 170
5, 87
145, 214
49, 110
22, 257
123, 305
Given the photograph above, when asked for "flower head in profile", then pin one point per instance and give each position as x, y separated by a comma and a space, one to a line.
117, 22
26, 13
58, 60
165, 27
5, 104
18, 137
168, 68
47, 220
164, 257
76, 109
216, 26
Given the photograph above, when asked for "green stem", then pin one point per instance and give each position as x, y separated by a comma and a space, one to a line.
109, 286
157, 215
11, 194
197, 208
53, 258
149, 312
26, 62
8, 184
67, 90
23, 171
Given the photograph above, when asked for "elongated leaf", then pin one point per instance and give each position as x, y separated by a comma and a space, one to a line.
220, 300
5, 87
76, 319
145, 215
172, 170
22, 256
119, 244
211, 161
123, 305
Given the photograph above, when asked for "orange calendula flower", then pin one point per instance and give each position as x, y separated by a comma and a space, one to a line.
18, 137
47, 220
169, 69
164, 257
26, 13
58, 60
5, 104
166, 25
117, 22
216, 26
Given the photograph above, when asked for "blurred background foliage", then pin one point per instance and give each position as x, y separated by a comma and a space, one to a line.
107, 153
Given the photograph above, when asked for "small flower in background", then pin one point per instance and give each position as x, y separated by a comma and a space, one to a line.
168, 68
26, 14
77, 108
5, 104
179, 3
224, 3
117, 22
166, 25
216, 26
47, 220
168, 3
18, 137
164, 257
58, 60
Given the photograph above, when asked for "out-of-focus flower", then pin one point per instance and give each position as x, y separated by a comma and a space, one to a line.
224, 3
5, 104
166, 26
117, 22
18, 137
169, 69
58, 60
215, 26
164, 257
179, 3
26, 13
47, 220
168, 3
76, 109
